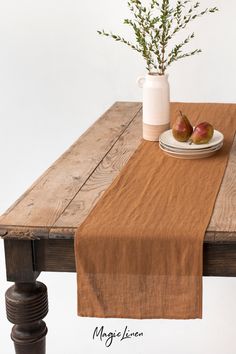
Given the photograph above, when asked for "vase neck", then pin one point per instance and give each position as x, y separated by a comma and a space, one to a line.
155, 77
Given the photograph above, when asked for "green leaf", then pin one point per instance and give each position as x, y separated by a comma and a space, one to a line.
154, 26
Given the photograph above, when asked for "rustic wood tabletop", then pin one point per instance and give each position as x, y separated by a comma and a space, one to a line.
38, 230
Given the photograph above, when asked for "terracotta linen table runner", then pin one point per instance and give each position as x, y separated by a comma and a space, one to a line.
139, 253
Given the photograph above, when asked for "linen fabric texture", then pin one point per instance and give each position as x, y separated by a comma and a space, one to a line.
139, 253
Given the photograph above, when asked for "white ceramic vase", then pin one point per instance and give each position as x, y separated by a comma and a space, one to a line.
156, 105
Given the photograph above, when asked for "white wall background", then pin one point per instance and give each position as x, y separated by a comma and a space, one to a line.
56, 77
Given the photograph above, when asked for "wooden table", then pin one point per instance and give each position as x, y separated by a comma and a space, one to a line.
38, 230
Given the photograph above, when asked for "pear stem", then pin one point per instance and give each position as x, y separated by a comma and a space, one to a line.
181, 113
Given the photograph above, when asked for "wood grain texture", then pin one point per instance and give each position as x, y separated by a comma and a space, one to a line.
27, 305
224, 216
219, 259
55, 255
101, 178
106, 172
43, 203
20, 261
23, 233
59, 202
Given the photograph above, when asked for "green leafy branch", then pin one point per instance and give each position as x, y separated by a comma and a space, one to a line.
154, 26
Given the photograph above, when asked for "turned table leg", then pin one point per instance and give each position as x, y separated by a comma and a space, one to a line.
27, 305
26, 300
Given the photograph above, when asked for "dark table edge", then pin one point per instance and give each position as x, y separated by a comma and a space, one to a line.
219, 258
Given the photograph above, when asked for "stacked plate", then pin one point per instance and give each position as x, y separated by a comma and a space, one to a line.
185, 150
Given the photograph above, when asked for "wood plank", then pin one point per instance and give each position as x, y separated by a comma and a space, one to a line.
225, 237
62, 233
224, 216
101, 179
43, 203
219, 259
20, 261
50, 254
23, 233
58, 256
110, 167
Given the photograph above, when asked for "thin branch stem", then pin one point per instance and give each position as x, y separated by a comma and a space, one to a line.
155, 25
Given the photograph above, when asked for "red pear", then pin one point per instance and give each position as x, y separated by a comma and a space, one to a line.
202, 134
182, 129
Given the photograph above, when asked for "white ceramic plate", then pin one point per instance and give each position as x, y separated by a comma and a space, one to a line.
188, 151
167, 139
191, 154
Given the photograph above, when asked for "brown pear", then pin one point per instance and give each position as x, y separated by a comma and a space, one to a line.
182, 129
202, 134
